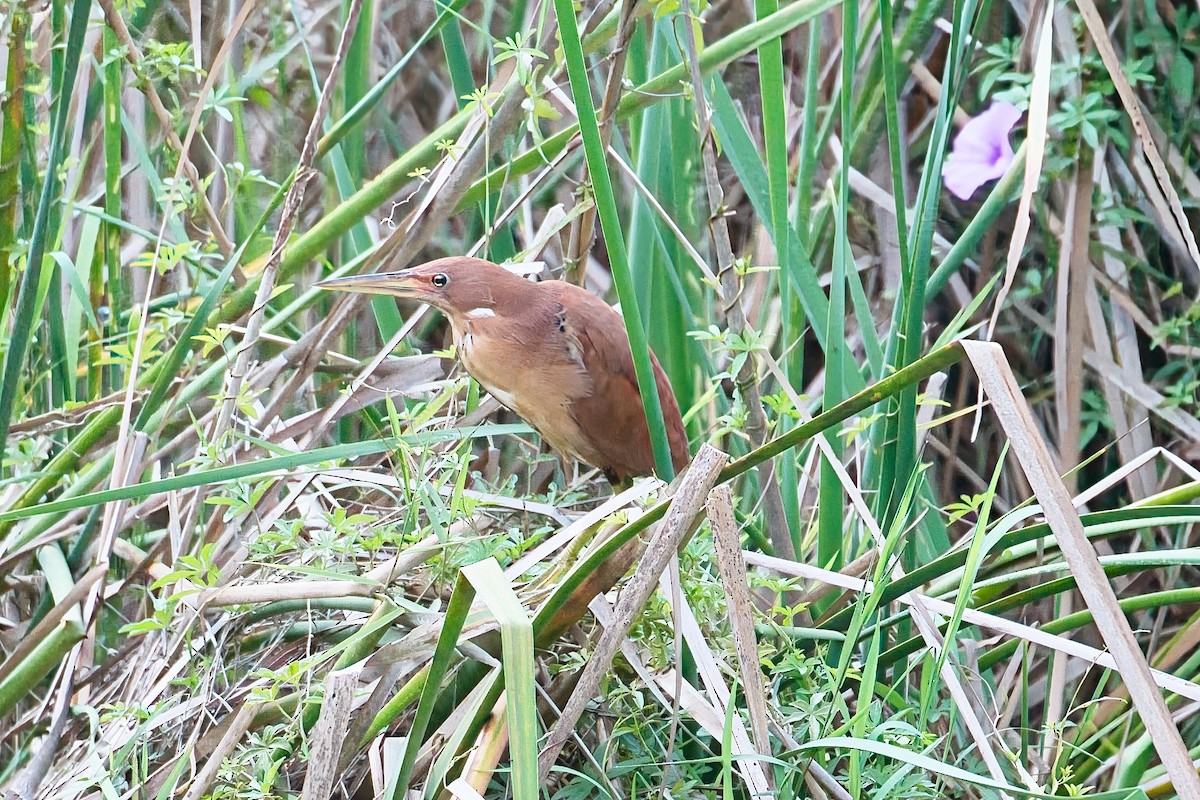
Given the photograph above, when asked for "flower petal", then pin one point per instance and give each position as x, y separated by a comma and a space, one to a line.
981, 151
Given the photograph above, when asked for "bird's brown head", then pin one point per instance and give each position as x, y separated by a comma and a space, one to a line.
457, 286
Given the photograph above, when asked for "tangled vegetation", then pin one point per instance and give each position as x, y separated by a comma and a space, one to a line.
941, 380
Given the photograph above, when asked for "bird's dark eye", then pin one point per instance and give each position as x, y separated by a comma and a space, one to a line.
439, 280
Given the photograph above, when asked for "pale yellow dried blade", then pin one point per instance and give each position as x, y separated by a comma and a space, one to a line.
1035, 144
1095, 26
998, 382
329, 734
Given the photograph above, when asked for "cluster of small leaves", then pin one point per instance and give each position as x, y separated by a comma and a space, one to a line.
1178, 44
191, 575
1086, 110
249, 773
155, 339
167, 256
240, 498
739, 346
1086, 113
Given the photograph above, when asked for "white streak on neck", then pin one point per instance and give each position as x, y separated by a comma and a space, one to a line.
480, 313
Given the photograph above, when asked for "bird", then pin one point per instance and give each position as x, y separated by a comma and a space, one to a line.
552, 352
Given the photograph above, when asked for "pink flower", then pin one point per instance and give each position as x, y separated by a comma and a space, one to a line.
981, 150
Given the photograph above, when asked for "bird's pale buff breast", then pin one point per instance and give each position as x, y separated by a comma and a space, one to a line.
536, 384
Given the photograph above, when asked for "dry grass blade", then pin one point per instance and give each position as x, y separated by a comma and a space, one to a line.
461, 790
235, 729
298, 590
111, 521
1133, 465
328, 737
1070, 320
1070, 315
741, 610
749, 757
688, 501
982, 619
1035, 142
1115, 333
997, 380
1108, 54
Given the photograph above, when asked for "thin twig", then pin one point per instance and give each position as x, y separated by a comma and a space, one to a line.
735, 316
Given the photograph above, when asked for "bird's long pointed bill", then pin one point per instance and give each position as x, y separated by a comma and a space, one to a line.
399, 284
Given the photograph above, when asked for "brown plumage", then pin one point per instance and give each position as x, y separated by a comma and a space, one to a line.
552, 352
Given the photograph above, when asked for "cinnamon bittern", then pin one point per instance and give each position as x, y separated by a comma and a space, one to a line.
552, 352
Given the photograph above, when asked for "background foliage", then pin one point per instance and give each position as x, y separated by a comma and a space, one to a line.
253, 543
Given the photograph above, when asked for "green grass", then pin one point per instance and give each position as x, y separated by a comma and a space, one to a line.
196, 569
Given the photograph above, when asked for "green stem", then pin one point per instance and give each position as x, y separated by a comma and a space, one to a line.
614, 237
